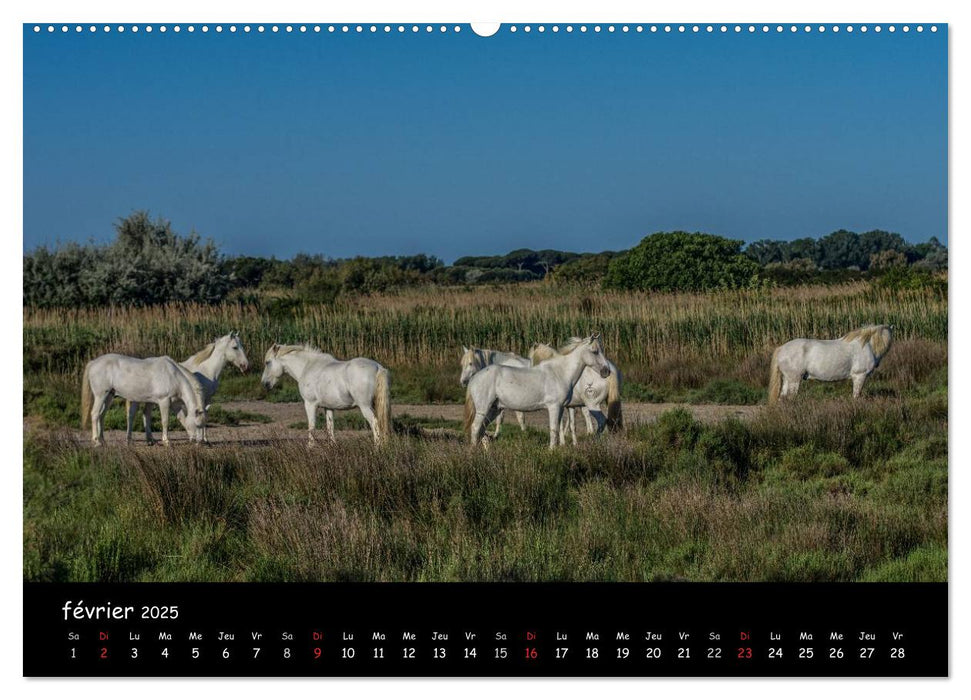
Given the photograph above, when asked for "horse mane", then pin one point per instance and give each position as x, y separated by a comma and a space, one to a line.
306, 347
203, 354
571, 345
540, 352
481, 357
878, 336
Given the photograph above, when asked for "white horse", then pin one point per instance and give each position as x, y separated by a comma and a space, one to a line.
854, 356
591, 392
326, 381
158, 380
475, 359
206, 365
547, 385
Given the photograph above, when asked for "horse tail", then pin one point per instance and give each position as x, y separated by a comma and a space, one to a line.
469, 411
775, 378
382, 403
615, 415
87, 398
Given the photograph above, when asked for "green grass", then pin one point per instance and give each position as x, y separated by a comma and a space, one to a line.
822, 488
814, 491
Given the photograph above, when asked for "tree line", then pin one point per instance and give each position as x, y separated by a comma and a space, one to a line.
148, 263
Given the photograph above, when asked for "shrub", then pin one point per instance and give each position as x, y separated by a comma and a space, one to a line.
682, 261
147, 264
805, 462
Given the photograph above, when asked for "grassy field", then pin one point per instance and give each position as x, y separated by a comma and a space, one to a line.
824, 488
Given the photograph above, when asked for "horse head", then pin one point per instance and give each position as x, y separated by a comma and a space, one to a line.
272, 367
233, 351
470, 364
593, 355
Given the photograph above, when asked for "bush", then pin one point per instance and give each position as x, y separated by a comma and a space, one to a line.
806, 463
589, 267
899, 278
680, 261
147, 264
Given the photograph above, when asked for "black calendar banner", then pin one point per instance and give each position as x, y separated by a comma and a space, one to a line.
486, 629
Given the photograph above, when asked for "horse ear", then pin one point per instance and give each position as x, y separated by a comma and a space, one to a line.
464, 349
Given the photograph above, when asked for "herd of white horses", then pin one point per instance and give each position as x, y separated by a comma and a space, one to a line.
577, 375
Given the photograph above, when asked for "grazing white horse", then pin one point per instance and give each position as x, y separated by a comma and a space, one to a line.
206, 365
547, 385
158, 380
475, 359
854, 356
326, 381
590, 392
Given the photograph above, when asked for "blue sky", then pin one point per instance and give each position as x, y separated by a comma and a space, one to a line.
454, 144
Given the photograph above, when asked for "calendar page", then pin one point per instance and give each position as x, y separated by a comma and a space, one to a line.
545, 349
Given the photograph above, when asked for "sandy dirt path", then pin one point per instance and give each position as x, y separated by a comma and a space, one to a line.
283, 415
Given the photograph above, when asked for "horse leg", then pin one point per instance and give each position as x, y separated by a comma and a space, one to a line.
490, 415
372, 420
589, 421
564, 426
481, 421
858, 381
147, 422
311, 408
181, 413
597, 415
521, 417
556, 415
163, 409
98, 409
475, 433
132, 409
573, 427
789, 386
329, 418
498, 424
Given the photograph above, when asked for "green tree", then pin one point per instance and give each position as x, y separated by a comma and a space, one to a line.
765, 251
588, 267
682, 261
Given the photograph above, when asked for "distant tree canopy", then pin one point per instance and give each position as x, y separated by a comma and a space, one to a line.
586, 267
682, 261
847, 250
146, 264
538, 262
